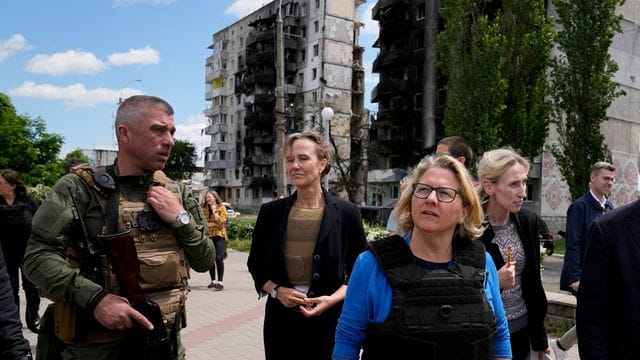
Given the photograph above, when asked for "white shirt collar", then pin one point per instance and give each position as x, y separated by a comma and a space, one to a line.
602, 203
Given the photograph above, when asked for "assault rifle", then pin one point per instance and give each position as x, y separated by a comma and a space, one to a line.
156, 344
86, 253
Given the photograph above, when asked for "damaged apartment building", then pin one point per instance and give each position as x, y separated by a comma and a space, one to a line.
250, 112
411, 97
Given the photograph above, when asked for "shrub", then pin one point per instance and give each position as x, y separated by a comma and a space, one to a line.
374, 232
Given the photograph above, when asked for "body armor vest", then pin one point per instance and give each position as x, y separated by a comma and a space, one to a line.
435, 314
163, 267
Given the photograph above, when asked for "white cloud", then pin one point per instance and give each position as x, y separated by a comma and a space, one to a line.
74, 96
72, 61
12, 45
242, 8
192, 131
146, 55
370, 26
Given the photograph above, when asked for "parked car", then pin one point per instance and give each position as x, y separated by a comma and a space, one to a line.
231, 211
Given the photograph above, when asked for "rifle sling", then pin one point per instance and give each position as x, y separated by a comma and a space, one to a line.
113, 203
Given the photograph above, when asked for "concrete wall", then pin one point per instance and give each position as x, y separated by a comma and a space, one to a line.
621, 131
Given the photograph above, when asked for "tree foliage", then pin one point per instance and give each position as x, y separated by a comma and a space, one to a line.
27, 147
181, 162
582, 85
495, 61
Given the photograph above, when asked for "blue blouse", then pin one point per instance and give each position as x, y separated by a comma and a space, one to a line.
368, 300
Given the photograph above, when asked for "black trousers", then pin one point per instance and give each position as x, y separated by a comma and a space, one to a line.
220, 244
520, 346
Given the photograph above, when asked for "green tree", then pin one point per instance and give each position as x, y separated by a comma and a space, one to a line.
496, 61
472, 55
582, 85
527, 113
27, 147
181, 162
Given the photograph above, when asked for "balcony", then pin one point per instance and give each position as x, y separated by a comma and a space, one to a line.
215, 183
216, 110
392, 86
394, 27
392, 59
266, 77
258, 140
264, 181
261, 57
261, 120
260, 160
263, 36
264, 98
220, 73
226, 146
219, 164
292, 89
217, 128
383, 4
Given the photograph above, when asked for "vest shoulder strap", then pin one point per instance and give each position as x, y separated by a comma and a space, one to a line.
98, 179
470, 256
392, 252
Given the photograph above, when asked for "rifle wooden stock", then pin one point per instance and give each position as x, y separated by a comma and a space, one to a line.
122, 253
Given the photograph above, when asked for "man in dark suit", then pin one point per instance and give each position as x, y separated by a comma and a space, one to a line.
608, 317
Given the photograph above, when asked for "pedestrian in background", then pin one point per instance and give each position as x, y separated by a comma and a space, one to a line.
216, 216
13, 345
16, 211
412, 297
580, 216
457, 147
511, 237
608, 316
303, 250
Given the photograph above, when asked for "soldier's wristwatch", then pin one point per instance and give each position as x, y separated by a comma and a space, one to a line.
182, 219
274, 292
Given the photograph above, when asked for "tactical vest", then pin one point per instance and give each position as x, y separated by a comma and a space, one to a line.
435, 314
163, 267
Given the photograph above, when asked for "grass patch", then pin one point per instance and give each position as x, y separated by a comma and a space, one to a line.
239, 245
557, 328
559, 246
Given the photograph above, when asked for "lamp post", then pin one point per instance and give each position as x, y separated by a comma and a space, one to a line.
326, 114
281, 182
122, 88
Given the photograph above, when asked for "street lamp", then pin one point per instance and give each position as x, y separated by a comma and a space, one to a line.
326, 114
122, 88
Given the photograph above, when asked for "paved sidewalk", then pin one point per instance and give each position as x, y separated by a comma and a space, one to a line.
227, 324
223, 324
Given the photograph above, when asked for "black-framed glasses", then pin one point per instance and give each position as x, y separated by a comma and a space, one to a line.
443, 193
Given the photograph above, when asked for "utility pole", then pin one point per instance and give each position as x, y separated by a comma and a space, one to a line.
279, 125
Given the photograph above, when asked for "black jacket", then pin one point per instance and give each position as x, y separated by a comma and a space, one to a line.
340, 240
608, 316
526, 223
13, 345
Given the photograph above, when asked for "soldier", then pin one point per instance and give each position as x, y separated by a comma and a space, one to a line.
97, 219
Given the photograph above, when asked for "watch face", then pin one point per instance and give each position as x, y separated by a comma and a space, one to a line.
184, 218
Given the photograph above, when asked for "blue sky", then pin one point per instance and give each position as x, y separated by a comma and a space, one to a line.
68, 61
